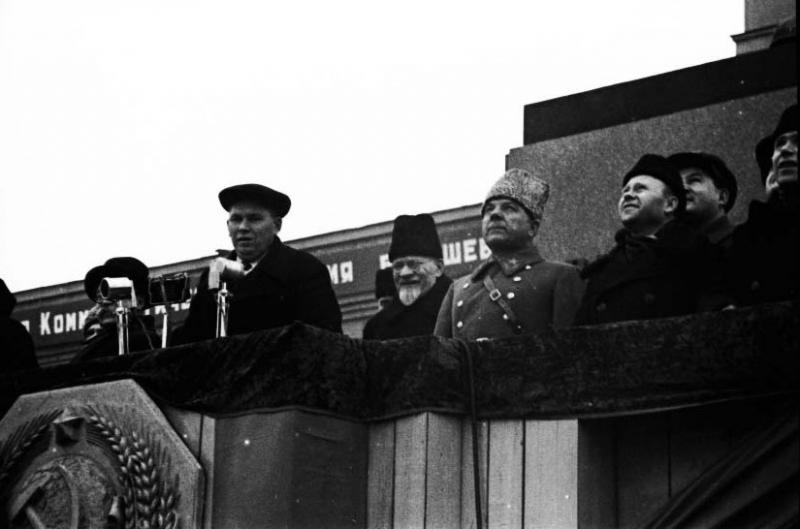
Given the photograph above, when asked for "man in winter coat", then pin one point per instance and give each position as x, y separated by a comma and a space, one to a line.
100, 329
385, 291
16, 346
710, 194
659, 266
515, 291
418, 274
763, 265
281, 285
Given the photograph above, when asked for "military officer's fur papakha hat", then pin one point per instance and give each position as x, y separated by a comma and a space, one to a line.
521, 186
415, 235
275, 201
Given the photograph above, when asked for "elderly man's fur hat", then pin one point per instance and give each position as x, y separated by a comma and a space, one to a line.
519, 185
415, 235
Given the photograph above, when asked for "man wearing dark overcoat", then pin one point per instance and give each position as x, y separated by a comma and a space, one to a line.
515, 290
281, 284
710, 194
764, 264
659, 266
419, 279
16, 346
385, 291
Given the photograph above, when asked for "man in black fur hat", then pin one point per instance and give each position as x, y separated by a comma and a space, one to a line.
710, 194
659, 266
280, 284
763, 263
418, 273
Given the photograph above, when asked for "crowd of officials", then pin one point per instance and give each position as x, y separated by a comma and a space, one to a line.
676, 253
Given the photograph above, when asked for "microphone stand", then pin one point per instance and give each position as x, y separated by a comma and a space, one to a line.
123, 317
220, 272
223, 306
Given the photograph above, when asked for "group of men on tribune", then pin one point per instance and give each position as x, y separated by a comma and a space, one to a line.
677, 252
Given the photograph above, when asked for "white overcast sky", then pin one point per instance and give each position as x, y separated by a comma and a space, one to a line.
120, 121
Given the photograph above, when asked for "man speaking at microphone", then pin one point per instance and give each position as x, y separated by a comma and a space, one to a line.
280, 284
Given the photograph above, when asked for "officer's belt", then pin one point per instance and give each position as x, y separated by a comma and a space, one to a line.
497, 297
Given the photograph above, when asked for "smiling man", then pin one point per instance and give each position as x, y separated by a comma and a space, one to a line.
280, 285
515, 291
763, 264
659, 266
419, 279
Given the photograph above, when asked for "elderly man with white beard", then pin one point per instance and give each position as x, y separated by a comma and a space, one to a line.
418, 273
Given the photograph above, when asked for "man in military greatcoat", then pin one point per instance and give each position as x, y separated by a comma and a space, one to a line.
516, 290
419, 280
763, 265
659, 266
280, 284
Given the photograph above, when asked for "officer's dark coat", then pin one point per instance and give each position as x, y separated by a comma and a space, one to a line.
644, 277
400, 321
287, 285
542, 294
763, 263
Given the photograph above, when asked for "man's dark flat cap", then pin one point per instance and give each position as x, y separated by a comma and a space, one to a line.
766, 146
129, 267
711, 165
661, 169
275, 201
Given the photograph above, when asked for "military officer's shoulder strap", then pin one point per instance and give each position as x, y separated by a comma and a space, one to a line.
497, 297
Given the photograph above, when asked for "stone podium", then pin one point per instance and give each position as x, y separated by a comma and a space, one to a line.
615, 425
105, 455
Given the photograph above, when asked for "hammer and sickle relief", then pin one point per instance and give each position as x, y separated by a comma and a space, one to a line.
89, 472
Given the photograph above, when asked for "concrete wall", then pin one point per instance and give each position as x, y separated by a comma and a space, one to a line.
585, 170
760, 13
584, 143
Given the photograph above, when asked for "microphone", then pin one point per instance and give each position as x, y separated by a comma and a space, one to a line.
221, 270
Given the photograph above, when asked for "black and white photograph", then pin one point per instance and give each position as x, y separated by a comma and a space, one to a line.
369, 265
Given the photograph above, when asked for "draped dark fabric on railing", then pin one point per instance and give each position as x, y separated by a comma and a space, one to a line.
582, 371
754, 486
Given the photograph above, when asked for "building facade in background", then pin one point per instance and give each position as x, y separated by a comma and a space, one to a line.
581, 144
